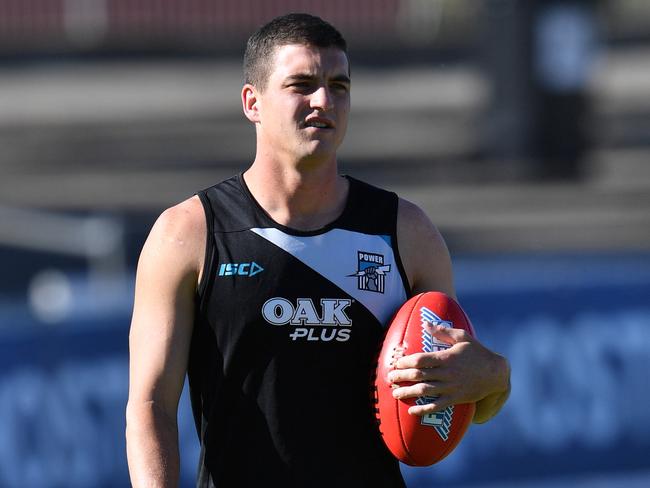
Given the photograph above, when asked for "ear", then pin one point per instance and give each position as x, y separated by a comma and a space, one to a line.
250, 102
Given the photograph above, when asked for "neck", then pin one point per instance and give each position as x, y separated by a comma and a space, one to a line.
304, 198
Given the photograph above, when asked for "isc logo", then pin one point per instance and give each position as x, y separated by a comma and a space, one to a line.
240, 269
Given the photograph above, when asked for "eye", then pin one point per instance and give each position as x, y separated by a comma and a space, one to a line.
340, 87
300, 85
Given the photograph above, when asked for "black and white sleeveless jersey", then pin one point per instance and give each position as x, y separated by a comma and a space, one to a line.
287, 327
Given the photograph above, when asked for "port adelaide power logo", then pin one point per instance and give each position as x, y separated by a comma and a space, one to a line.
371, 272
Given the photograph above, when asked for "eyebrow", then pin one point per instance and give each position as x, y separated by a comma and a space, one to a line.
306, 76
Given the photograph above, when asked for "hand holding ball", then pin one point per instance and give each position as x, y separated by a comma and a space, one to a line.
415, 440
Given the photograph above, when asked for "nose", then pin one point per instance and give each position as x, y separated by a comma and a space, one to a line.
321, 99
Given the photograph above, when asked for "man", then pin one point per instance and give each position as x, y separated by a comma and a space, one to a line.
256, 288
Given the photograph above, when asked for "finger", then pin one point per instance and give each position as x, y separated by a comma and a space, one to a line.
412, 374
419, 375
449, 335
400, 376
419, 360
422, 389
436, 405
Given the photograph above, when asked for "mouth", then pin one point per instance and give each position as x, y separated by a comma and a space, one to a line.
319, 123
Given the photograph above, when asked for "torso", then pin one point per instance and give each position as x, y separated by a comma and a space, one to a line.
288, 324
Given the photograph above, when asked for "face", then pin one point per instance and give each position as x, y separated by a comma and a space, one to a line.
302, 113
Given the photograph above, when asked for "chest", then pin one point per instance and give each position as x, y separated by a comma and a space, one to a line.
278, 290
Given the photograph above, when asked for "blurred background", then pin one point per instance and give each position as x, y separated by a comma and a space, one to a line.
521, 127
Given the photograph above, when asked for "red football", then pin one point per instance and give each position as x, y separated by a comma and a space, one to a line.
415, 440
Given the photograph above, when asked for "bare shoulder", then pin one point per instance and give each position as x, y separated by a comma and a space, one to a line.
182, 221
423, 250
178, 236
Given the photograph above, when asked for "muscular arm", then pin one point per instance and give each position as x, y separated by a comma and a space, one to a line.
159, 340
466, 372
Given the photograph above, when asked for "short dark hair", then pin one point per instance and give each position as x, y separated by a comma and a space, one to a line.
295, 28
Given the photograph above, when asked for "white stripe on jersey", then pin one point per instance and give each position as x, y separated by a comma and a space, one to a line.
334, 255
